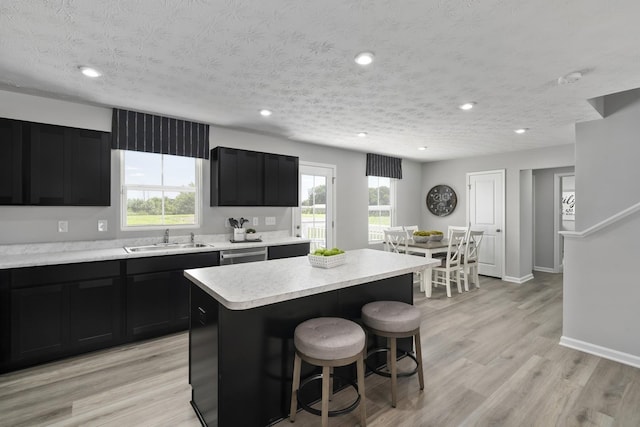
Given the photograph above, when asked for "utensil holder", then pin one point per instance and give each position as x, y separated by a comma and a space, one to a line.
239, 234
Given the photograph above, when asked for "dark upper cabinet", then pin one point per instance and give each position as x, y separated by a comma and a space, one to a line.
48, 163
253, 178
53, 165
90, 168
10, 162
280, 180
236, 177
69, 166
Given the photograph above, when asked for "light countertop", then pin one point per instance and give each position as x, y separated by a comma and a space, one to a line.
30, 255
250, 285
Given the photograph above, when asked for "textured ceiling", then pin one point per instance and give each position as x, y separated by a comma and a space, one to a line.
219, 62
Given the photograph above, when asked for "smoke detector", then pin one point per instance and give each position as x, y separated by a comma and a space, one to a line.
570, 78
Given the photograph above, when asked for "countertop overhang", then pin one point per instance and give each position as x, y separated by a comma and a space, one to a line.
251, 285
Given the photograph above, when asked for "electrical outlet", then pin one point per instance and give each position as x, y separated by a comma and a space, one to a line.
269, 220
256, 221
103, 225
63, 226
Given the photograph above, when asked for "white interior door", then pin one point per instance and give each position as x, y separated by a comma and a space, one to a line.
314, 218
485, 211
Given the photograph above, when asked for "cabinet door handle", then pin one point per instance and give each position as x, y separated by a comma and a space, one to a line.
202, 316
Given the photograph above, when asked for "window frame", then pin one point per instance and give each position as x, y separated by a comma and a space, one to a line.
124, 201
392, 207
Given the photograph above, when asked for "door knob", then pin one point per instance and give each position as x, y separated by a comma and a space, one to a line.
498, 230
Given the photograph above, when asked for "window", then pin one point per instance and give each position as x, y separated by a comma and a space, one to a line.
160, 190
381, 206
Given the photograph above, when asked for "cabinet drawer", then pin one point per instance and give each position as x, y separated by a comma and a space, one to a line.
172, 262
49, 274
288, 251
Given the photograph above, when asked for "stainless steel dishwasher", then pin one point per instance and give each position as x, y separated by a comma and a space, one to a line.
239, 256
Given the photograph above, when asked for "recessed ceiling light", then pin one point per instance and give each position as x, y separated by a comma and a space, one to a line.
265, 113
422, 148
521, 131
364, 58
362, 134
467, 106
90, 72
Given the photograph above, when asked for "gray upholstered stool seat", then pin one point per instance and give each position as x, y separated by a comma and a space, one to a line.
329, 342
393, 320
391, 316
329, 338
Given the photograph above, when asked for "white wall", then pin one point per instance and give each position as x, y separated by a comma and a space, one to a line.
30, 224
453, 173
544, 216
608, 152
601, 281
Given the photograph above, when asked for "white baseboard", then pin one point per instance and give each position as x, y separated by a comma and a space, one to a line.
607, 353
545, 269
518, 280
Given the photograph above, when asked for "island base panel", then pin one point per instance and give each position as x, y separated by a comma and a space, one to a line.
203, 356
249, 353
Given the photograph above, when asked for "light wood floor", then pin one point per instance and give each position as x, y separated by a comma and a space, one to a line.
491, 359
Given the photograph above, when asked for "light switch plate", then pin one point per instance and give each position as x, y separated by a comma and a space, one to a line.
269, 220
103, 225
256, 221
63, 226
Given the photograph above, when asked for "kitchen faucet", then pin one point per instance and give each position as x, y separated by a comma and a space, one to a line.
166, 236
192, 238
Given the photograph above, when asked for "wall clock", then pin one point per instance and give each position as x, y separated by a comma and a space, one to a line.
441, 200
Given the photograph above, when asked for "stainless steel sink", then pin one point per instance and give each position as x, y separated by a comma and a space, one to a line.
165, 247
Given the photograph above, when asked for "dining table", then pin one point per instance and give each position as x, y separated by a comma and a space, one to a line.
427, 250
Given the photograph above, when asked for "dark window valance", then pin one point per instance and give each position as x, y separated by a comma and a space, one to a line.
155, 134
390, 167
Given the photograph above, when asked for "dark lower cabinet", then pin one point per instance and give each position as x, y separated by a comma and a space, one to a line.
95, 313
149, 305
39, 323
288, 251
57, 311
158, 293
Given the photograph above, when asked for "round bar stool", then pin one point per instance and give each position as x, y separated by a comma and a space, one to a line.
328, 342
393, 320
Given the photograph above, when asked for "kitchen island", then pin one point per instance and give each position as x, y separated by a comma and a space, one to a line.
243, 318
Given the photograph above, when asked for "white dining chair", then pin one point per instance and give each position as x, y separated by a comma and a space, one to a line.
470, 258
451, 263
396, 241
410, 229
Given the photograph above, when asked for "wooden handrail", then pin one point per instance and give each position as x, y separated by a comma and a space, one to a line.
602, 224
